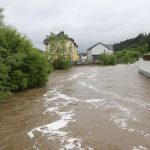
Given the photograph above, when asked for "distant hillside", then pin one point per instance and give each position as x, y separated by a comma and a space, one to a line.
141, 44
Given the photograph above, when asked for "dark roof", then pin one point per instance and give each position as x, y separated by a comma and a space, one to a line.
109, 46
60, 34
45, 41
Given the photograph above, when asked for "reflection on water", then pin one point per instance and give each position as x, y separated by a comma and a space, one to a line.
85, 108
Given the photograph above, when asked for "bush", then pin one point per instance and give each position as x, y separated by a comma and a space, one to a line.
104, 59
60, 63
21, 65
112, 59
127, 56
108, 59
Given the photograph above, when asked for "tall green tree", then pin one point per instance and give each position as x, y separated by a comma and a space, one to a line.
57, 51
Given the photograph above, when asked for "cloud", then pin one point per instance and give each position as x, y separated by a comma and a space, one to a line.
87, 21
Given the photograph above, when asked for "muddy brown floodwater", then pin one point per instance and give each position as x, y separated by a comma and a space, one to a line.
85, 108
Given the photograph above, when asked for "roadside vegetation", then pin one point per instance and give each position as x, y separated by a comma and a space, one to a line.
130, 50
127, 51
21, 65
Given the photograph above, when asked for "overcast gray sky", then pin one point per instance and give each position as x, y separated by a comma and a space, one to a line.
87, 21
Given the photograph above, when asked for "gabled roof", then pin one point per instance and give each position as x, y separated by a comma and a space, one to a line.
109, 46
60, 34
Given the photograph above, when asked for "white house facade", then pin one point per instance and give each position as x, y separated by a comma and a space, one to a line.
94, 52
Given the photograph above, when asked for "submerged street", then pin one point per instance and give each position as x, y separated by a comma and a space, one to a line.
84, 108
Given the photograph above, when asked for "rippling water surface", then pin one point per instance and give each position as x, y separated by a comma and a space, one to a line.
85, 108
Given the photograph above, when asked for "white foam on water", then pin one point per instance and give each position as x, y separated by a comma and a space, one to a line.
93, 88
84, 84
139, 148
138, 102
35, 147
125, 114
51, 109
45, 95
54, 130
56, 95
74, 76
92, 76
147, 135
54, 127
94, 100
121, 122
121, 119
131, 130
73, 143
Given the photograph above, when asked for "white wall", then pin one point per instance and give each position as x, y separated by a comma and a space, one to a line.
144, 67
97, 50
89, 55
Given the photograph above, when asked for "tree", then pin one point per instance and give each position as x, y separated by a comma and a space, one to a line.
58, 54
145, 48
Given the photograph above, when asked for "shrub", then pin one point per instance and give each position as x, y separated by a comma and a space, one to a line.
108, 59
126, 58
104, 59
21, 65
112, 59
61, 63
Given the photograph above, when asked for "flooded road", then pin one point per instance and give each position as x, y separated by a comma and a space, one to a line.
85, 108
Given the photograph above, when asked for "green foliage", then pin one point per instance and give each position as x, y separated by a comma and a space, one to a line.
58, 56
21, 65
108, 59
130, 50
127, 56
104, 59
60, 63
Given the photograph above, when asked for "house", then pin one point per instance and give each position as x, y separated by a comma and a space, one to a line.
94, 52
70, 46
83, 57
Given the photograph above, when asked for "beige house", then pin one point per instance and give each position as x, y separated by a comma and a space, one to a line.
71, 47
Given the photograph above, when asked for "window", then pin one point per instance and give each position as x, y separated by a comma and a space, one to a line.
95, 57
